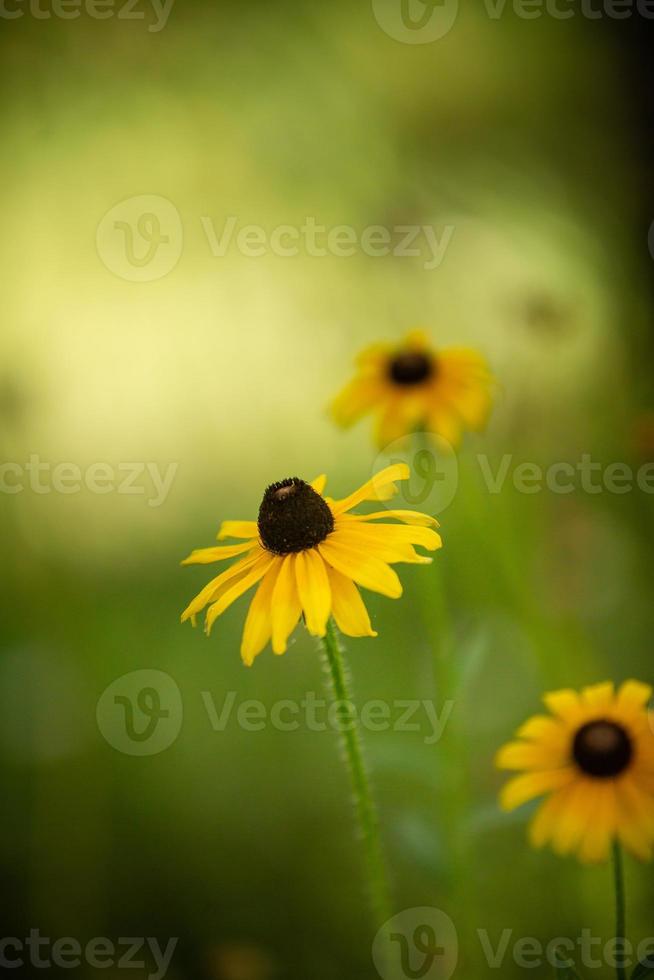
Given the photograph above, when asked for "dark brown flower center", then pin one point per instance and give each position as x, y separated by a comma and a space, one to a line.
411, 367
602, 748
293, 517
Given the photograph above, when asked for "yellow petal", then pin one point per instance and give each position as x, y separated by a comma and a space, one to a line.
633, 696
236, 589
599, 696
348, 607
575, 816
542, 727
285, 605
216, 586
545, 820
465, 361
416, 339
425, 537
596, 841
554, 739
258, 623
637, 841
473, 404
636, 819
521, 789
401, 415
204, 556
466, 382
374, 359
319, 483
375, 489
368, 571
566, 704
379, 547
358, 397
314, 590
445, 422
238, 529
528, 755
408, 516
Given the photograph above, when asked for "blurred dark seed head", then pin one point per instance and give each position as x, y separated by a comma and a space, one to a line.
546, 314
240, 962
14, 401
642, 437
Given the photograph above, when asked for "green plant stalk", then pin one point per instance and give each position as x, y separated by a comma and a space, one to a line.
364, 805
620, 908
453, 796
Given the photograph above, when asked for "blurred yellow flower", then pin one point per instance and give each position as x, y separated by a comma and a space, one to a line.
594, 756
411, 385
308, 553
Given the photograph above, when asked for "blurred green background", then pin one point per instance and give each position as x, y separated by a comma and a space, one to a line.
520, 135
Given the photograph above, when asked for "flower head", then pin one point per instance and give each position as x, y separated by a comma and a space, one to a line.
412, 385
594, 759
307, 554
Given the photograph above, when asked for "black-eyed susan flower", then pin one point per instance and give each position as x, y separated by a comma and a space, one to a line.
411, 386
593, 758
307, 554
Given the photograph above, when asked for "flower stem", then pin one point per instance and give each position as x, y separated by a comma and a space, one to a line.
620, 921
363, 801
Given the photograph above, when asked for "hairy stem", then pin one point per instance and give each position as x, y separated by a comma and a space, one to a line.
620, 915
363, 801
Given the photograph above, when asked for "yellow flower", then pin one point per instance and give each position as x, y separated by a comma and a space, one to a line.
412, 385
308, 553
594, 758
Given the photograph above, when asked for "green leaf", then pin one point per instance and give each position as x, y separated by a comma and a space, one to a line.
644, 969
563, 971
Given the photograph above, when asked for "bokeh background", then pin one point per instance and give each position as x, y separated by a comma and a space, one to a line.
528, 137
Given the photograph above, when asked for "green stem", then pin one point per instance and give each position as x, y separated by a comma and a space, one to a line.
620, 920
363, 801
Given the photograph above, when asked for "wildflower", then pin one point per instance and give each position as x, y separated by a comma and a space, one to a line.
593, 758
413, 386
308, 554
